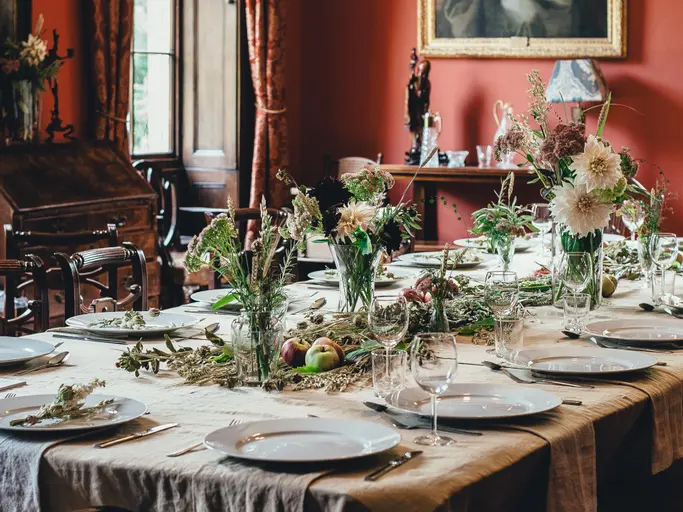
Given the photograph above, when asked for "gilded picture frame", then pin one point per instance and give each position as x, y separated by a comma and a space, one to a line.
604, 35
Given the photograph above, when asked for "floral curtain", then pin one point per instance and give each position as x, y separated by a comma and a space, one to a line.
266, 36
109, 35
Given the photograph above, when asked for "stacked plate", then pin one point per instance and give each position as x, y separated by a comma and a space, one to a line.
582, 361
21, 350
639, 332
391, 276
521, 244
99, 323
209, 297
471, 259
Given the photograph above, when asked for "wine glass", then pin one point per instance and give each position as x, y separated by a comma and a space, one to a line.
542, 220
502, 292
388, 319
576, 269
663, 251
434, 362
633, 218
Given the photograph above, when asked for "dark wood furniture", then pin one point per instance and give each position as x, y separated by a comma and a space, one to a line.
19, 275
426, 181
76, 187
85, 267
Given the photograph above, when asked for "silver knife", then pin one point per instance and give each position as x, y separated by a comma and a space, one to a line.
391, 465
137, 435
115, 341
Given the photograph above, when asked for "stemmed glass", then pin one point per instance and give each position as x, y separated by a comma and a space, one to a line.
388, 319
663, 250
434, 362
633, 219
502, 292
542, 221
576, 269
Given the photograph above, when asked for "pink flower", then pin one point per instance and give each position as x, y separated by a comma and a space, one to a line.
9, 66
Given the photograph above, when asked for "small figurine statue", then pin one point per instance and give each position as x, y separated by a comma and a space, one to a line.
56, 124
417, 104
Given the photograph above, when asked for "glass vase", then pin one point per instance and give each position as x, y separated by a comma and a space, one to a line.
591, 244
24, 121
505, 248
256, 340
356, 273
645, 259
438, 318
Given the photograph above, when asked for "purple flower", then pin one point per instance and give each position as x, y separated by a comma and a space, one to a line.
511, 142
565, 140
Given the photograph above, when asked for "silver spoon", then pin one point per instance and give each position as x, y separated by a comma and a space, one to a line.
317, 304
55, 360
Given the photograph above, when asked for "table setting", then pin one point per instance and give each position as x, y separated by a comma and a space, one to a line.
463, 380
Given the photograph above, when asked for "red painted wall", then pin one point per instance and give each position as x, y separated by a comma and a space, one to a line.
354, 68
66, 16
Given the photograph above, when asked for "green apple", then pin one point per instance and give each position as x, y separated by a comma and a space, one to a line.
330, 343
322, 357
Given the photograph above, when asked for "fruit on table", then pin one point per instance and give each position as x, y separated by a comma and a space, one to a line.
609, 285
294, 352
322, 357
330, 343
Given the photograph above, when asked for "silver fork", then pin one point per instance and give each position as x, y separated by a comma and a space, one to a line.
10, 395
194, 446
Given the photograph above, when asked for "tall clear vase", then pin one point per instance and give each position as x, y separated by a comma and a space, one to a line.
256, 341
357, 273
591, 244
24, 121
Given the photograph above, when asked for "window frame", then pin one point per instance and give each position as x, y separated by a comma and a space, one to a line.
173, 157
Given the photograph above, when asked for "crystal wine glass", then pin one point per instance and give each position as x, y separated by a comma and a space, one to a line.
576, 269
663, 250
388, 319
633, 219
502, 292
434, 362
542, 220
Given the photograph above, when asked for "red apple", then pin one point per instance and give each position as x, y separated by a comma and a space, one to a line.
322, 357
294, 352
330, 343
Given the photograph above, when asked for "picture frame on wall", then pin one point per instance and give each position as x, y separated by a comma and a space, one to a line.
522, 28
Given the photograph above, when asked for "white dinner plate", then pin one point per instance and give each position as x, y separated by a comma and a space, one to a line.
477, 401
330, 277
22, 349
433, 259
162, 324
121, 410
661, 330
583, 360
211, 296
610, 238
303, 439
521, 244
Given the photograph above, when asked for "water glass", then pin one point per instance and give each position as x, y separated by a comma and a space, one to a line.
484, 154
663, 286
576, 269
509, 336
434, 362
502, 292
388, 371
388, 319
663, 251
645, 259
576, 309
542, 220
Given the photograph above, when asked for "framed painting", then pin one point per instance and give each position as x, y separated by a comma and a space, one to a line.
522, 28
15, 19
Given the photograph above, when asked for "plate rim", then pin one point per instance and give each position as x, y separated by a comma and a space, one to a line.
254, 424
10, 362
51, 396
408, 259
141, 333
625, 354
504, 390
662, 322
459, 243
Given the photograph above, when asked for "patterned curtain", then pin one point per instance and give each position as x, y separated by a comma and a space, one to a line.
109, 34
266, 36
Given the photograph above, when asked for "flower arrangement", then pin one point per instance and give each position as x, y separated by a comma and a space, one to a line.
24, 68
256, 279
503, 221
582, 175
353, 214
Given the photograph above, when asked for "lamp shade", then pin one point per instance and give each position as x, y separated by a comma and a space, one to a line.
576, 81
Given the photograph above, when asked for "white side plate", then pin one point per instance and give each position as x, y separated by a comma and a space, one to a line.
651, 330
22, 349
583, 361
303, 439
211, 296
521, 244
331, 278
477, 401
433, 259
122, 410
162, 324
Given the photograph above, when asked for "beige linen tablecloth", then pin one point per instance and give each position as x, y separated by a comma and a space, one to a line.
554, 461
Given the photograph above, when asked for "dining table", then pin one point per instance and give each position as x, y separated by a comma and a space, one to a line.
623, 439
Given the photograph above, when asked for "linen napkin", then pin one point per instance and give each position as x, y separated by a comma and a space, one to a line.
20, 457
254, 487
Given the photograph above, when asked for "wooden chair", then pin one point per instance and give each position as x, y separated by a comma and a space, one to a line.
17, 242
242, 218
172, 275
20, 274
84, 268
350, 164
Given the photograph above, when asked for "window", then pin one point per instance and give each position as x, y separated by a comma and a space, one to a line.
153, 108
